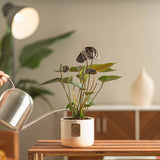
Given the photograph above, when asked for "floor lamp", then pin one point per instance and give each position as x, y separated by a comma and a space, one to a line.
22, 21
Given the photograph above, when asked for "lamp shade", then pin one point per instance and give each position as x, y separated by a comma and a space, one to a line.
23, 21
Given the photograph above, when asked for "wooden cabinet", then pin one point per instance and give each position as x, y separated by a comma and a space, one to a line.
114, 125
125, 123
150, 125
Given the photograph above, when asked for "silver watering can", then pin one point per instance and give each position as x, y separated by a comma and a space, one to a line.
16, 107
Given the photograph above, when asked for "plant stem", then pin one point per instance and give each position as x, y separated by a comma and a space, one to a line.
69, 94
92, 83
69, 100
82, 93
89, 75
97, 92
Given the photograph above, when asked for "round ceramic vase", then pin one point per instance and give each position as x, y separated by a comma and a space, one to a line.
77, 133
142, 89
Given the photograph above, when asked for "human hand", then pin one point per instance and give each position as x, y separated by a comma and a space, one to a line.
3, 78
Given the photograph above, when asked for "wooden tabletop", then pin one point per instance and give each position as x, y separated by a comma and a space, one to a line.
100, 148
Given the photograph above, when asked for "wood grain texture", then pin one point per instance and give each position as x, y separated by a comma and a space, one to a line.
149, 125
9, 143
100, 148
120, 125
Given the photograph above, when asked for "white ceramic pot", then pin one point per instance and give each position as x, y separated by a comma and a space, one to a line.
77, 133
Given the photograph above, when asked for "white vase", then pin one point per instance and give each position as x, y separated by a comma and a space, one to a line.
142, 89
77, 133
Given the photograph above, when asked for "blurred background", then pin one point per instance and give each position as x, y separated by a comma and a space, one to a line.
123, 31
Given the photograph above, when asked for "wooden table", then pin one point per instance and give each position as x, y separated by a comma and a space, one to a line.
100, 148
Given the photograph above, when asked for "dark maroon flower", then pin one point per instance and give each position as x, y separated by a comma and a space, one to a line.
64, 69
81, 58
91, 53
87, 53
90, 71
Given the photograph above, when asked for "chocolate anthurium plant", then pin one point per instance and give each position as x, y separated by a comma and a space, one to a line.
82, 90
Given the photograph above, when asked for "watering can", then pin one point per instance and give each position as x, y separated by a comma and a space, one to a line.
16, 107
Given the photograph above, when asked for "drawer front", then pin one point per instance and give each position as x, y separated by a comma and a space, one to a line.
114, 125
150, 125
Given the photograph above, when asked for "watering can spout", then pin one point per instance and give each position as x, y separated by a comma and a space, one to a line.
42, 117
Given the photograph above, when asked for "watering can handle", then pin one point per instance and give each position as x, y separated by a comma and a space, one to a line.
9, 79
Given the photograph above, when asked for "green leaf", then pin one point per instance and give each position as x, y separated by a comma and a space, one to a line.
80, 76
33, 61
64, 80
70, 105
108, 78
75, 69
52, 81
37, 91
90, 99
33, 49
26, 81
34, 91
6, 53
98, 67
110, 69
79, 85
102, 67
88, 104
88, 93
67, 79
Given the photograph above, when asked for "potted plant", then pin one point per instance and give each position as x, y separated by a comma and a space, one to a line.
81, 91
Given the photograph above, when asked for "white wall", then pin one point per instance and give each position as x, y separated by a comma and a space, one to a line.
123, 31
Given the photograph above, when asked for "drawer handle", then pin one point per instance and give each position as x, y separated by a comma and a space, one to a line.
104, 125
98, 124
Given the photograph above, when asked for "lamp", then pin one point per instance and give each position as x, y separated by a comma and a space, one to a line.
23, 21
16, 107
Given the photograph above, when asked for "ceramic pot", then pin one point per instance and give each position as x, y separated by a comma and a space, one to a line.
142, 89
77, 133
